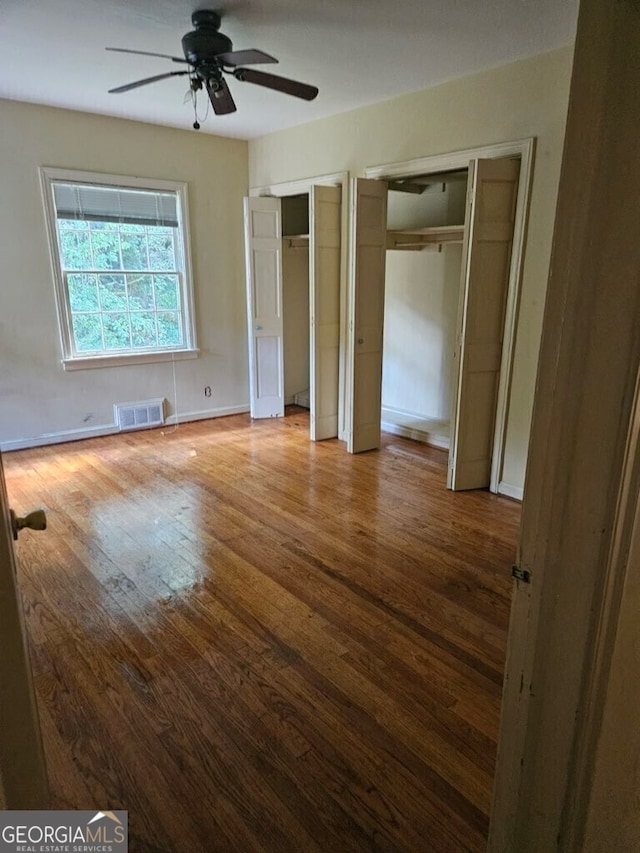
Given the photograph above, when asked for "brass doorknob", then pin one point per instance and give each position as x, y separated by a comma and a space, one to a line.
36, 520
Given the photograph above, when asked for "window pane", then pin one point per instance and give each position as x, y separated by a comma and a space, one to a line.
106, 249
83, 292
169, 331
121, 251
75, 250
143, 329
87, 332
113, 295
166, 291
103, 226
134, 250
116, 331
140, 292
161, 254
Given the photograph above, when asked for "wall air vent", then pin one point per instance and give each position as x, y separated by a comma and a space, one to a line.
145, 413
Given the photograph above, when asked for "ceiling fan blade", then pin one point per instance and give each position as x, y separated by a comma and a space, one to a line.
245, 57
221, 98
280, 84
146, 80
146, 53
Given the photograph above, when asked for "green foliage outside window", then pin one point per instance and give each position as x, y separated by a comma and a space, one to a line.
124, 291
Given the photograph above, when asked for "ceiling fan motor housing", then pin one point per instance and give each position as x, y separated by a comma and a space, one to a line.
202, 18
204, 43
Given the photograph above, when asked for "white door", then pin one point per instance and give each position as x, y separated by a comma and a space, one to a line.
263, 255
369, 245
325, 225
23, 779
486, 262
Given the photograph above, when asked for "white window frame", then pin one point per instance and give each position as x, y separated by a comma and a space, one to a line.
72, 360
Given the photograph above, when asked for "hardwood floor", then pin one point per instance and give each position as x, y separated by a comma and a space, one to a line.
255, 643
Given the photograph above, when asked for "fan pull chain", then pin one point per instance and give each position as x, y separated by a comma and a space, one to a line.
194, 98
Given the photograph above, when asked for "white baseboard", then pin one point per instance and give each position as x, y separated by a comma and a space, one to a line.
410, 425
295, 400
110, 429
58, 437
515, 492
206, 414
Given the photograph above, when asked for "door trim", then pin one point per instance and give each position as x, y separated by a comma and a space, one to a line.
303, 185
625, 532
525, 150
584, 428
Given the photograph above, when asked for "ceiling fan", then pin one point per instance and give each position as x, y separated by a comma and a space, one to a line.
209, 54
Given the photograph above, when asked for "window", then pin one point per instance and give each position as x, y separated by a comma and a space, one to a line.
121, 268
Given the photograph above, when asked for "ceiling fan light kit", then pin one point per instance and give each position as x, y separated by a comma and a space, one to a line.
210, 54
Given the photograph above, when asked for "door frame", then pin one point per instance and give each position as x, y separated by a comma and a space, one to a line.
525, 150
562, 679
298, 187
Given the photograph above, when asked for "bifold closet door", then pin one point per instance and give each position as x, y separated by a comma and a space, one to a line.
369, 246
325, 225
486, 263
263, 256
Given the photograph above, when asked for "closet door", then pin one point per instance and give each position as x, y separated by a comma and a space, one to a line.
263, 255
325, 223
492, 194
369, 245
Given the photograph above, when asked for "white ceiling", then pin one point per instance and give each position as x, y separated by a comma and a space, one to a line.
356, 51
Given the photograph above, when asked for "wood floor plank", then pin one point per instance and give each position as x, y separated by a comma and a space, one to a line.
313, 644
481, 639
257, 643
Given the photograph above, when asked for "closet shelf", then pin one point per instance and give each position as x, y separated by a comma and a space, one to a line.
416, 239
296, 241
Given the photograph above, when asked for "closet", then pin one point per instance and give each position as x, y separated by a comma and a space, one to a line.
425, 228
485, 237
295, 299
293, 252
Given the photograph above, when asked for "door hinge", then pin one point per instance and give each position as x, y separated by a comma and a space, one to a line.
519, 574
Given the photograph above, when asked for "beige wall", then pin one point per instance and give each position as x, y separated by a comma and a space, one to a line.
523, 99
37, 396
420, 311
295, 319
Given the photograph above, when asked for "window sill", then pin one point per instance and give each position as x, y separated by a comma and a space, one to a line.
94, 361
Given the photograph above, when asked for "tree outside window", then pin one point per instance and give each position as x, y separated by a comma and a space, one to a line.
122, 273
